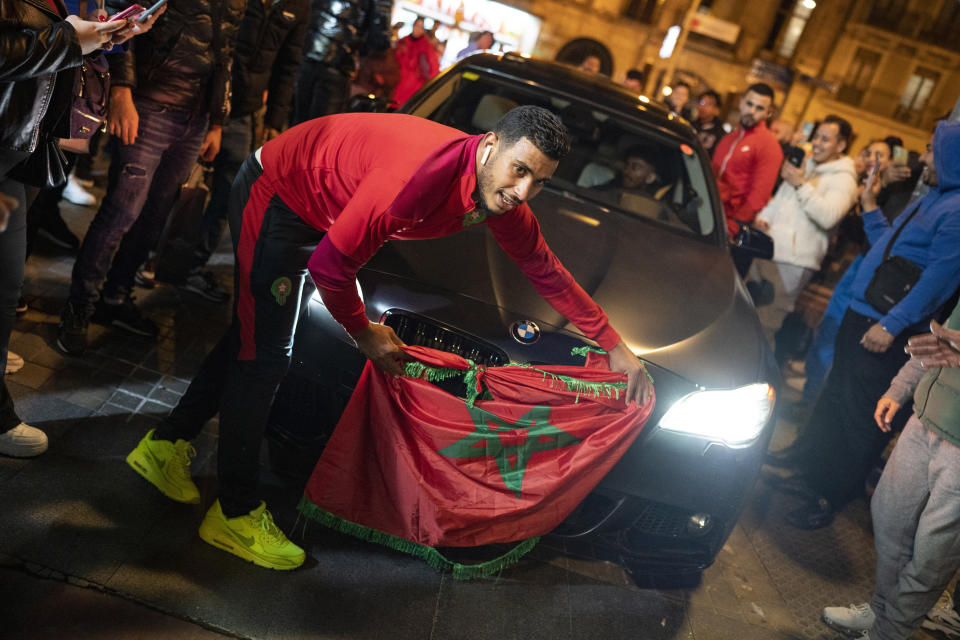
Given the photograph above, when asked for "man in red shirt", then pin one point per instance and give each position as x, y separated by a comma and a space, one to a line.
747, 160
323, 197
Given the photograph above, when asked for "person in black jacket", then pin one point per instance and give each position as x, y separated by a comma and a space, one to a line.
340, 32
169, 97
40, 50
266, 59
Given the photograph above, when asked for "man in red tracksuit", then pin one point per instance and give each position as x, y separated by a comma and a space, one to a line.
747, 160
324, 197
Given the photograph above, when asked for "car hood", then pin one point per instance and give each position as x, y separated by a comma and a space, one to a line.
675, 300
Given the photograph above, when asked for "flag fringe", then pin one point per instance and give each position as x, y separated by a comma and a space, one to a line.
426, 553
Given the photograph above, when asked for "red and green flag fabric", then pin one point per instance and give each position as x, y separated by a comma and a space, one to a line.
415, 467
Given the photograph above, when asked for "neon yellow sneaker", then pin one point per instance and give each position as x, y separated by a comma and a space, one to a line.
253, 537
166, 465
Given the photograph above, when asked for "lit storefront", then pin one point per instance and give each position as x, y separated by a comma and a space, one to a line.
457, 20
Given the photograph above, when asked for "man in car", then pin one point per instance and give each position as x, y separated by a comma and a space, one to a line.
747, 160
639, 175
324, 197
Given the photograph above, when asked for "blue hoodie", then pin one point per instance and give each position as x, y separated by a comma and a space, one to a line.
932, 240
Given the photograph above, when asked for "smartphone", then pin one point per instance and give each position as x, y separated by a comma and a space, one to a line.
807, 130
143, 17
795, 156
128, 13
900, 155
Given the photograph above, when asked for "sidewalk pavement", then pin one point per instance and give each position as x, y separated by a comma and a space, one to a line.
90, 550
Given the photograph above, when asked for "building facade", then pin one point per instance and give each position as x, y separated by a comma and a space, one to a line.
888, 66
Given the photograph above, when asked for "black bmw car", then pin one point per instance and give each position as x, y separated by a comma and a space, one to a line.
633, 213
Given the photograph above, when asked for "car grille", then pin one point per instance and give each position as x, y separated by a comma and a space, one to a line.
419, 331
661, 520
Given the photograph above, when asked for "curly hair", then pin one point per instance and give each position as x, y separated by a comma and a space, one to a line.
540, 126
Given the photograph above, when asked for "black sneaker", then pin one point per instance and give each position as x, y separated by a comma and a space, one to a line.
57, 232
204, 284
72, 333
125, 315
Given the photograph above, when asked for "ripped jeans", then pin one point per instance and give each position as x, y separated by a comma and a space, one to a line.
144, 182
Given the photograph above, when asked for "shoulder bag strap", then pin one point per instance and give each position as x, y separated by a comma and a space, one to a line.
886, 252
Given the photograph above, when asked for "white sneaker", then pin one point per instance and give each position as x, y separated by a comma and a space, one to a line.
76, 193
14, 363
23, 441
854, 621
943, 617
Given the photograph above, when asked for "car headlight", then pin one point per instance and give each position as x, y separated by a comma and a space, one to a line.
734, 416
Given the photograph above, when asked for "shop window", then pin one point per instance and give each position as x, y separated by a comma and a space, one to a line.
915, 96
859, 76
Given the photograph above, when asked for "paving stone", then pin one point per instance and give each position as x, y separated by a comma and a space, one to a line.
32, 375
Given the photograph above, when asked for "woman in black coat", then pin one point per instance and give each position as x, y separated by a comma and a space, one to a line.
41, 48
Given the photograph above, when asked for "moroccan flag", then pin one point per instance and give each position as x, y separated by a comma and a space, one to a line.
417, 463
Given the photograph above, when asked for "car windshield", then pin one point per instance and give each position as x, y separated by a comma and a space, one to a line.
612, 162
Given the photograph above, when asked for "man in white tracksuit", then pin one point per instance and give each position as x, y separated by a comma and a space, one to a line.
810, 202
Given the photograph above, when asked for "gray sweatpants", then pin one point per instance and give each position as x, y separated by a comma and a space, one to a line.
916, 524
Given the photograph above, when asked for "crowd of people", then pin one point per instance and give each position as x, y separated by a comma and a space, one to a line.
246, 70
879, 345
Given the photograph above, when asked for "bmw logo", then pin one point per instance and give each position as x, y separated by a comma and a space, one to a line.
525, 332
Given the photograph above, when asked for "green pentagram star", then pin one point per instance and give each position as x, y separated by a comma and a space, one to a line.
486, 442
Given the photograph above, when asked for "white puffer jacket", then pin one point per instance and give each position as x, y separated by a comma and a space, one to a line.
801, 219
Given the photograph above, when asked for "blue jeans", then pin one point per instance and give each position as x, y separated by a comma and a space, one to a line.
234, 149
916, 525
144, 181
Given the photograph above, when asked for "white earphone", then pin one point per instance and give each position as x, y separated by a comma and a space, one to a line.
486, 154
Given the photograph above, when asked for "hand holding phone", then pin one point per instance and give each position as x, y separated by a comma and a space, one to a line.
795, 156
143, 17
900, 156
129, 13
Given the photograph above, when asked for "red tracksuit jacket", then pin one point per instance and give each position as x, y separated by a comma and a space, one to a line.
746, 163
369, 178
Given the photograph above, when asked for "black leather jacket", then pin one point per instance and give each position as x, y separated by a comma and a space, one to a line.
184, 61
342, 30
267, 57
39, 54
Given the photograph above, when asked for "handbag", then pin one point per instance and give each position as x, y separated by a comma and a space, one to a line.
45, 168
895, 276
88, 110
91, 93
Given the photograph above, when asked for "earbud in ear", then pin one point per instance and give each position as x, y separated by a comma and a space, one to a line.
486, 154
